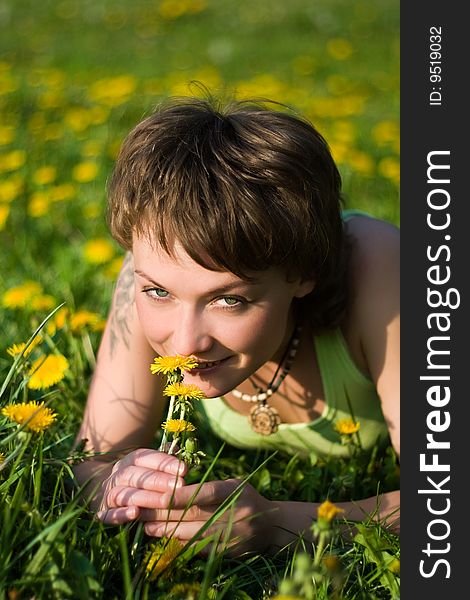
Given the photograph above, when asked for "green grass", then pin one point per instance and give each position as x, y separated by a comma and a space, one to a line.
75, 76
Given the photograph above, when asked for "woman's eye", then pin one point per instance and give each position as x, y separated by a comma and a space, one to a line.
230, 301
156, 293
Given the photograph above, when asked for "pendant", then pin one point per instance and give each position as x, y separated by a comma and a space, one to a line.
264, 419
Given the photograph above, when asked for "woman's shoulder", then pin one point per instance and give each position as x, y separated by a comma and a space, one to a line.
375, 247
374, 280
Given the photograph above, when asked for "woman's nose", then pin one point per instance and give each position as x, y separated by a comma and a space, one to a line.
191, 335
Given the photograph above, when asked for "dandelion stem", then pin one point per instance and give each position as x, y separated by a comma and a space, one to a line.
169, 415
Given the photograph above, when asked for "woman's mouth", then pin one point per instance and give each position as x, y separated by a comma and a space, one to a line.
206, 366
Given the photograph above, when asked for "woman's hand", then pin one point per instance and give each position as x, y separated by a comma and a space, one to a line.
143, 479
246, 525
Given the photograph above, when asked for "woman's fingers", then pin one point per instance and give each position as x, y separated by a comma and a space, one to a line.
145, 478
207, 494
124, 496
183, 531
118, 516
153, 459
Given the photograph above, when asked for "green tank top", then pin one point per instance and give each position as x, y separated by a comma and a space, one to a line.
348, 392
345, 388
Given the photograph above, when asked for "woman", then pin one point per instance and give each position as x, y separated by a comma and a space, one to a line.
239, 255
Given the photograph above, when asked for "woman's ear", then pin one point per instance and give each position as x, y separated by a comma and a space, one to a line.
304, 287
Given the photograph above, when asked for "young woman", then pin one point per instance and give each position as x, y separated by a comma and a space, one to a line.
239, 255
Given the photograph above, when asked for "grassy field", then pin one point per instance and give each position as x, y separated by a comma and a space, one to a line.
75, 76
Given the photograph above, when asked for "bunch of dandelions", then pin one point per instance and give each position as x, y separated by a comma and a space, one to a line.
177, 428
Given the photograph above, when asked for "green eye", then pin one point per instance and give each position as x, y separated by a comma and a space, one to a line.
231, 301
160, 293
156, 293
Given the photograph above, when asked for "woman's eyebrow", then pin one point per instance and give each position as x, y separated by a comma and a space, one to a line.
219, 290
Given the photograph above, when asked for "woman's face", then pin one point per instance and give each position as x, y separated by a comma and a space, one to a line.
231, 327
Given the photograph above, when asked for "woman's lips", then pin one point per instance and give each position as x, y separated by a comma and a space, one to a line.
208, 366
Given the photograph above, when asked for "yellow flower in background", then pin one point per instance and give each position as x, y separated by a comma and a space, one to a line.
328, 511
61, 192
186, 391
46, 371
177, 426
113, 91
37, 416
114, 267
389, 167
7, 135
169, 364
339, 48
361, 162
347, 426
45, 175
20, 295
85, 318
2, 457
16, 349
11, 188
386, 132
43, 302
98, 251
394, 566
85, 172
161, 556
38, 205
4, 212
11, 161
58, 321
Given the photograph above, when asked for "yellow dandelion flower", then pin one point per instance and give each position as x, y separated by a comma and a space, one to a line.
328, 511
98, 251
339, 48
161, 556
59, 320
169, 364
16, 349
394, 566
11, 188
38, 205
45, 175
92, 210
186, 391
43, 302
47, 371
82, 319
177, 426
4, 212
7, 135
85, 171
12, 160
347, 426
61, 192
36, 416
20, 295
389, 167
114, 268
114, 90
331, 562
386, 132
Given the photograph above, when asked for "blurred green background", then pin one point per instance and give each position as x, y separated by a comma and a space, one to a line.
76, 76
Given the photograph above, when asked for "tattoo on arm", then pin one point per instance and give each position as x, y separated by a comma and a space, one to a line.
122, 306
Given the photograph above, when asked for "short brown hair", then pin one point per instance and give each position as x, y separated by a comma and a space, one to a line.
242, 188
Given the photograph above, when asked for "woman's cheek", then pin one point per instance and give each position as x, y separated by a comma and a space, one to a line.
155, 329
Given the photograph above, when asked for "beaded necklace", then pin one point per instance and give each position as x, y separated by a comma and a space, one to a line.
264, 419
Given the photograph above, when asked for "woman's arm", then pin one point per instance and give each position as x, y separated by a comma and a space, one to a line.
124, 405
